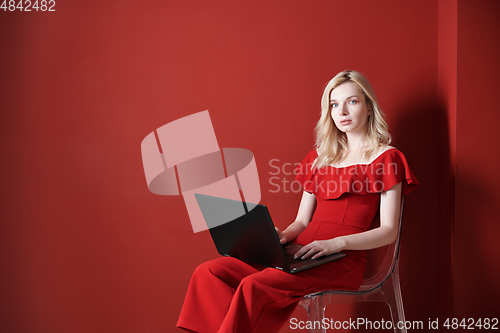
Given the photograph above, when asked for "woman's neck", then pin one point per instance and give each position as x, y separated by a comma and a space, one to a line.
356, 142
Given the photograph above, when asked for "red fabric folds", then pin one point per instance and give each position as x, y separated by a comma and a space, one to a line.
387, 170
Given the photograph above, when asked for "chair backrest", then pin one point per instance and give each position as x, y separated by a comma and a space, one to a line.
381, 261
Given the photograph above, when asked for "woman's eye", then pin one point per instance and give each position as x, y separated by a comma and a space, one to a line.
334, 105
353, 101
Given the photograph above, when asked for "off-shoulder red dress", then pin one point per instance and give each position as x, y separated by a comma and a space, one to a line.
227, 295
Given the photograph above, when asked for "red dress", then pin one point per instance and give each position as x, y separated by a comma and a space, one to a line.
227, 295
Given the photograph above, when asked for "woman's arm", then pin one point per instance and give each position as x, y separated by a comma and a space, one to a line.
386, 233
304, 216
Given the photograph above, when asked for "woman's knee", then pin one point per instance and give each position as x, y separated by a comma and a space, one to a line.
208, 267
254, 281
219, 267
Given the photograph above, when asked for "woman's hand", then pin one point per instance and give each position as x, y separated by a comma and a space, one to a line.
282, 236
320, 248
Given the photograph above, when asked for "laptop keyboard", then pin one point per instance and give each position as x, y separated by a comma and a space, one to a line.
292, 260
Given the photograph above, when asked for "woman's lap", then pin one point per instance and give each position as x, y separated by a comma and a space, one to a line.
341, 274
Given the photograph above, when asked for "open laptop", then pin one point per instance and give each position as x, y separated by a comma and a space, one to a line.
251, 237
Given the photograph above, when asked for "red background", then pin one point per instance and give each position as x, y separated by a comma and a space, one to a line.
87, 248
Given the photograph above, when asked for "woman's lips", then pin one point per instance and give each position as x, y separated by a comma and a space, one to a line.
345, 122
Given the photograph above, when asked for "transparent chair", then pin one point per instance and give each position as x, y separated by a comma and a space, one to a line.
380, 284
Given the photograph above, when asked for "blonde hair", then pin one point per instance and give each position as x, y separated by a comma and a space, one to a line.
331, 143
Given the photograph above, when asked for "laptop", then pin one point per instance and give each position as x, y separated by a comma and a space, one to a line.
251, 236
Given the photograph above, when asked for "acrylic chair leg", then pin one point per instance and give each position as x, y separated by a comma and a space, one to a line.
315, 315
399, 300
395, 300
307, 304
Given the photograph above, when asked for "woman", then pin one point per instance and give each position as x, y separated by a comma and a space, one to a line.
351, 176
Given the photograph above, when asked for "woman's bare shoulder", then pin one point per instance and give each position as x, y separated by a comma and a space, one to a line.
382, 149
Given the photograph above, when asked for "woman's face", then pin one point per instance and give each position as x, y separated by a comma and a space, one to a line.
348, 108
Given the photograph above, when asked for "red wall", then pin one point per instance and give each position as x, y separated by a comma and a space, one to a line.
87, 248
446, 143
476, 263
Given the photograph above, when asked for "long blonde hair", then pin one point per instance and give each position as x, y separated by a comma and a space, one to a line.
331, 143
